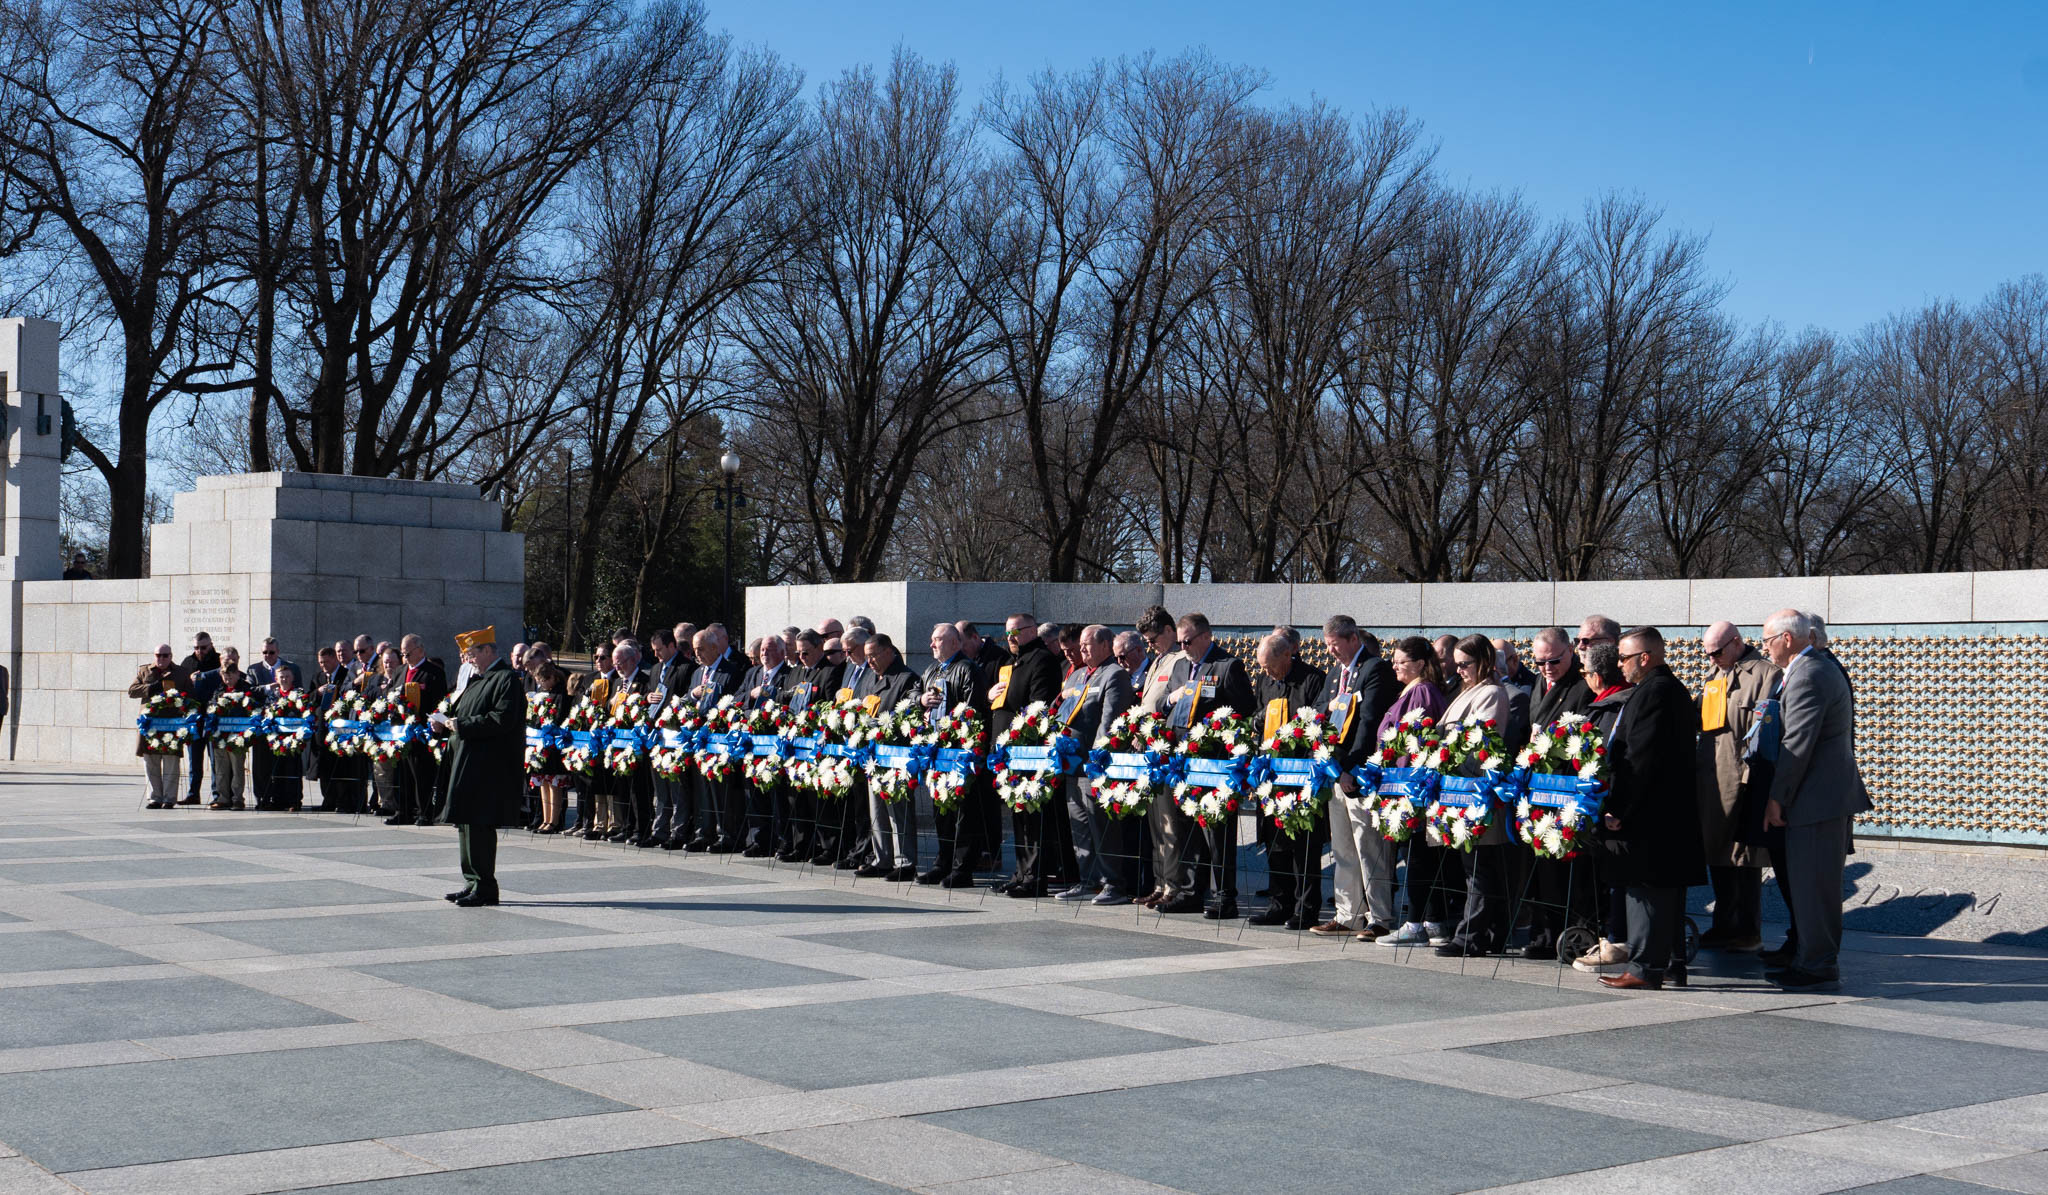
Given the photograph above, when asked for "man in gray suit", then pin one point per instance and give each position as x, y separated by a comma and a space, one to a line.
1096, 694
1816, 793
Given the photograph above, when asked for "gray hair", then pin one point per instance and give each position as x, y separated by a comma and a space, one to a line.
1602, 625
1130, 640
1291, 634
855, 637
1799, 623
1820, 628
1341, 626
863, 622
625, 647
1554, 636
1049, 631
1097, 633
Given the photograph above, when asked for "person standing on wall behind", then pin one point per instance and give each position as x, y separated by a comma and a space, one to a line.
202, 659
486, 763
78, 570
150, 680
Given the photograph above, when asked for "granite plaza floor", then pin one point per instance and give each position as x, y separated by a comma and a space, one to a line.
209, 1003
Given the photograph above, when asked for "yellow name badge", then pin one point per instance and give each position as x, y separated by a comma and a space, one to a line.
1276, 716
873, 703
1714, 704
1003, 679
845, 695
412, 695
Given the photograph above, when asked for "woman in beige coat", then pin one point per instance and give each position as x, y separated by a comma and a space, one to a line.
1481, 698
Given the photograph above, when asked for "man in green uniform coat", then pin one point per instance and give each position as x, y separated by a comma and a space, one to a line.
486, 763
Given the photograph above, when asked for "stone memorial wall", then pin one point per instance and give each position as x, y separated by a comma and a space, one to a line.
306, 558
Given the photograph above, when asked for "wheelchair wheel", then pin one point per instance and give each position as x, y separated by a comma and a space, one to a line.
1692, 940
1573, 943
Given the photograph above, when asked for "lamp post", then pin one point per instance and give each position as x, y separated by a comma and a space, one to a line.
729, 496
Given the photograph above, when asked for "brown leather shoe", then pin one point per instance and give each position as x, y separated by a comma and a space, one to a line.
1373, 932
1331, 929
1629, 981
1152, 898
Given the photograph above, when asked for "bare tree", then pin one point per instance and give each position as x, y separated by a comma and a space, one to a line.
1926, 387
868, 343
115, 143
2015, 325
1704, 446
1819, 478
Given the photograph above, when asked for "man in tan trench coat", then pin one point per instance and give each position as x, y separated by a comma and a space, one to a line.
1739, 677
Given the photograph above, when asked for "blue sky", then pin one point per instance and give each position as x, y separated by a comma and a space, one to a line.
1845, 160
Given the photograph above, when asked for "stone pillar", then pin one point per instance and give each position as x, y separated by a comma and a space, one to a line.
29, 477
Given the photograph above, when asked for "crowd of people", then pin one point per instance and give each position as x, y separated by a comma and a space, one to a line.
1757, 769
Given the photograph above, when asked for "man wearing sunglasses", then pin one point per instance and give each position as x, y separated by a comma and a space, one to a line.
1556, 888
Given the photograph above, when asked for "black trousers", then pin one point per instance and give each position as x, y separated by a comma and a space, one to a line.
1036, 837
1738, 899
1656, 921
1485, 923
1294, 871
1559, 894
732, 812
1432, 876
795, 812
261, 764
852, 835
760, 813
195, 769
1218, 872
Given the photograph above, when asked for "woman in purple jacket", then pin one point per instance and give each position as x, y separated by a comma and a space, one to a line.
1421, 676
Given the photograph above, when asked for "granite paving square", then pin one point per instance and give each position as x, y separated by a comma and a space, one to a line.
577, 976
30, 830
443, 926
559, 881
427, 854
815, 1046
1865, 1073
1342, 993
89, 1117
1920, 1184
721, 1167
335, 835
766, 908
67, 1013
1296, 1130
137, 869
2011, 1003
239, 898
64, 848
6, 918
54, 950
201, 820
983, 947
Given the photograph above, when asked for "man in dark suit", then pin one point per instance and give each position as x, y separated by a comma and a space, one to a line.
331, 683
771, 681
950, 680
888, 683
632, 794
1105, 848
427, 684
671, 676
1652, 813
841, 830
1215, 680
1032, 675
203, 659
719, 816
1357, 691
1554, 886
989, 657
1294, 866
1816, 792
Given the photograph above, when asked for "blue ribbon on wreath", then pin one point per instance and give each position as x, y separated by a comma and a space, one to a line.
235, 724
1466, 791
766, 746
1549, 790
1367, 777
957, 760
900, 759
1417, 784
190, 723
1060, 756
1225, 775
1311, 774
1145, 767
343, 730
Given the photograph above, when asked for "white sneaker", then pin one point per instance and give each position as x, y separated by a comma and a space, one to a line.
1604, 959
1410, 934
1438, 935
1077, 892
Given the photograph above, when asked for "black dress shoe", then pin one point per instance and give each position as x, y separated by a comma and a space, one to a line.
396, 820
1675, 975
697, 846
458, 895
647, 841
1793, 979
1781, 957
932, 877
725, 846
871, 871
619, 836
956, 880
1027, 891
755, 852
476, 900
1181, 904
673, 844
1269, 917
788, 857
425, 821
1544, 953
847, 864
1299, 923
1222, 910
1460, 950
824, 859
901, 875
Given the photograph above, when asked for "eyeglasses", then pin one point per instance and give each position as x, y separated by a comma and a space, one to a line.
1552, 662
836, 652
269, 651
1468, 665
163, 655
1588, 641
